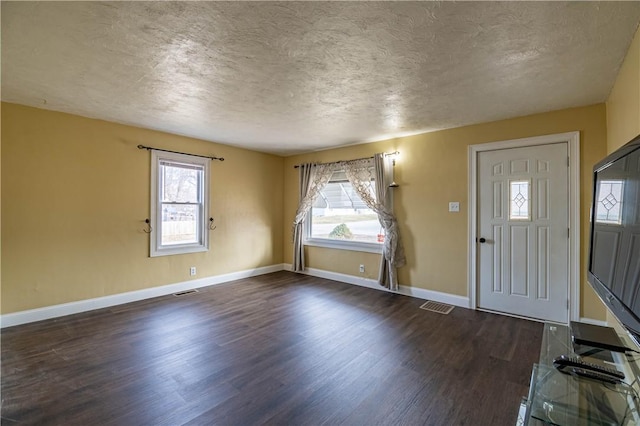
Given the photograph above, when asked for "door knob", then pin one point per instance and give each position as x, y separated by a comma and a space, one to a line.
482, 240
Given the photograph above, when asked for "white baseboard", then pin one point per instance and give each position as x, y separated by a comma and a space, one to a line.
48, 312
436, 296
419, 293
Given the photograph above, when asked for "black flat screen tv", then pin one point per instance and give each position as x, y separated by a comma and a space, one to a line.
614, 258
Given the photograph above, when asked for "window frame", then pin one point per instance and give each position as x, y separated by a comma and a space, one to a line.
342, 244
155, 240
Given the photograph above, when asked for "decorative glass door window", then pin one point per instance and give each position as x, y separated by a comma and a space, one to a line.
609, 206
519, 200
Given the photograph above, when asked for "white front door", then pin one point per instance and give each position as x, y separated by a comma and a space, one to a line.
523, 245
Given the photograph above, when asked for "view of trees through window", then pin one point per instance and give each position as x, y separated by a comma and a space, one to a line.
340, 214
180, 201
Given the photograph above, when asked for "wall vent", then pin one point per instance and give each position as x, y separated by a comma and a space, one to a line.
441, 308
184, 293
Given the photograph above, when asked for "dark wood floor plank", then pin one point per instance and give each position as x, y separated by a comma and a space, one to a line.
276, 349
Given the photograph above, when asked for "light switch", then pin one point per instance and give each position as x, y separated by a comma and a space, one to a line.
454, 206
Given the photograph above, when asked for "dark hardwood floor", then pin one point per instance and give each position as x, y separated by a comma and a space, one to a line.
281, 349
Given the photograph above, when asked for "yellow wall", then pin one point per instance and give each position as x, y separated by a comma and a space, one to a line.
75, 193
623, 104
431, 171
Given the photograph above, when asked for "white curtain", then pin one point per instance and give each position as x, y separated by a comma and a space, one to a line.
360, 175
312, 178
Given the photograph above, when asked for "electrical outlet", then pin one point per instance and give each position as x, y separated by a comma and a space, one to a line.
361, 269
192, 271
454, 206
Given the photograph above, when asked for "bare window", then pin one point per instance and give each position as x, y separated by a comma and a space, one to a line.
179, 203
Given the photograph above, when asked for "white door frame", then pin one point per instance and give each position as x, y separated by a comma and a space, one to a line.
573, 148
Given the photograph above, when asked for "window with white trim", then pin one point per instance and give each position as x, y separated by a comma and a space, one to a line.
179, 203
340, 219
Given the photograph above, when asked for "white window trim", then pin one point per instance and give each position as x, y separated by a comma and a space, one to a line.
156, 248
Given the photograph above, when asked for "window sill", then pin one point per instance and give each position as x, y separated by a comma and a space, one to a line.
345, 245
178, 250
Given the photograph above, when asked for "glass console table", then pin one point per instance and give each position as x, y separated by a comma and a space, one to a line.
561, 399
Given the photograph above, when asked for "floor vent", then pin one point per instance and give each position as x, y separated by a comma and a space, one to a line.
184, 293
441, 308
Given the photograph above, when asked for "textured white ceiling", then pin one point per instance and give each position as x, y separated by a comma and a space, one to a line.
289, 77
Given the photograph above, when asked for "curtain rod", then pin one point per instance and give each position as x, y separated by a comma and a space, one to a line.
149, 148
394, 153
337, 162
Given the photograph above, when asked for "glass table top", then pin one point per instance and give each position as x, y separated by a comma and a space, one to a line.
561, 399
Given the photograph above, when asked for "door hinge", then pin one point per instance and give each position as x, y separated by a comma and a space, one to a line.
568, 161
568, 232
